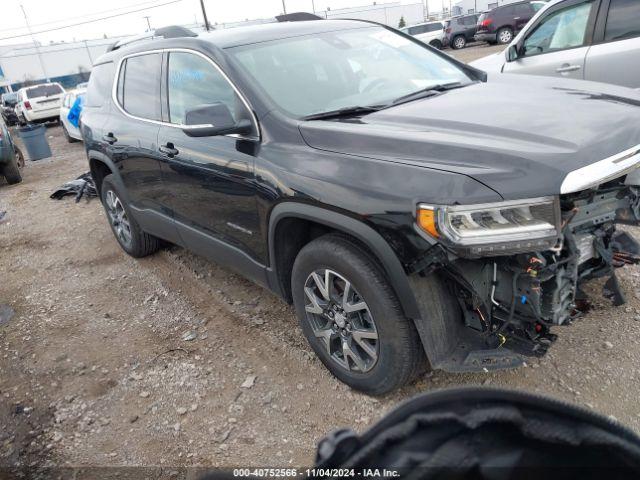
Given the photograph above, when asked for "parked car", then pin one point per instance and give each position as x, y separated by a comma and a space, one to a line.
590, 40
460, 30
327, 161
39, 103
11, 158
7, 107
430, 32
71, 132
502, 23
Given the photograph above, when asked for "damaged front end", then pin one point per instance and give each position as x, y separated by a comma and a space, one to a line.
513, 288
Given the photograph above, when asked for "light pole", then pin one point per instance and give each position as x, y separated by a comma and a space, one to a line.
35, 44
147, 17
313, 6
284, 8
204, 14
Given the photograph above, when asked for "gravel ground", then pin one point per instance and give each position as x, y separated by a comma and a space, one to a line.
174, 361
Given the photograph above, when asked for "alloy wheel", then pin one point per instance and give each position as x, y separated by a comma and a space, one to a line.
505, 36
459, 42
118, 218
341, 321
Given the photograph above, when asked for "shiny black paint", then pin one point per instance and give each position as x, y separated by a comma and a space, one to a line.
363, 176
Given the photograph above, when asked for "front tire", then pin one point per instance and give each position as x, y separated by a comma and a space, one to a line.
436, 44
351, 317
133, 240
11, 172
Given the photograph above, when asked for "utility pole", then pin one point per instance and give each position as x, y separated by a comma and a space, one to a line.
204, 14
88, 52
284, 8
35, 44
148, 22
313, 6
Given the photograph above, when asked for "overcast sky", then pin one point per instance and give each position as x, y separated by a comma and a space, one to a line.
50, 14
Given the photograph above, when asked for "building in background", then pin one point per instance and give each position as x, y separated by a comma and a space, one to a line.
463, 7
387, 13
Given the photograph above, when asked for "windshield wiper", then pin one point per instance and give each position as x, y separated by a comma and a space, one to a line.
429, 91
343, 112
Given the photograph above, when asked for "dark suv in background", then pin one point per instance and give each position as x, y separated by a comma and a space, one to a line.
326, 161
460, 30
502, 23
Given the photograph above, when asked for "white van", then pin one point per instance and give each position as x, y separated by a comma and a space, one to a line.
39, 103
431, 33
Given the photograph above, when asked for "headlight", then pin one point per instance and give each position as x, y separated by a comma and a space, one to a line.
494, 228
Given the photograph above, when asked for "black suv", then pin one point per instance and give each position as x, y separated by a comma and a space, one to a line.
502, 23
460, 30
327, 161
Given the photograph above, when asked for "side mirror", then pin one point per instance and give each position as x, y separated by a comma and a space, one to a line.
513, 52
213, 120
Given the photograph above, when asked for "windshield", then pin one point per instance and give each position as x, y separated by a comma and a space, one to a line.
328, 71
44, 90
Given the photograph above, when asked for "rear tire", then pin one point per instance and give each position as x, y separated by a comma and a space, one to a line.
504, 35
459, 42
11, 172
394, 357
133, 240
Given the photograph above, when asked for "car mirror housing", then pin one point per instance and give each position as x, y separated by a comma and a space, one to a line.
213, 120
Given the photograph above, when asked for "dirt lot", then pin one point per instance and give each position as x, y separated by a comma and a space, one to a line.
173, 361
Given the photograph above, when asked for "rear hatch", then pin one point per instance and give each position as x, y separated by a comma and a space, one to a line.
484, 22
45, 97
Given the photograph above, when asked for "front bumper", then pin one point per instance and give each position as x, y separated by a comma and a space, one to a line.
485, 37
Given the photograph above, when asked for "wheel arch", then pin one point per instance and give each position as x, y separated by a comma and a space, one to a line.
100, 166
341, 223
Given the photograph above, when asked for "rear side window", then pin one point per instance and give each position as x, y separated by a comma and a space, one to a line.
623, 20
44, 90
99, 85
139, 86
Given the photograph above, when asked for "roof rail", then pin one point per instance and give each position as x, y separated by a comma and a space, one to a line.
174, 31
297, 17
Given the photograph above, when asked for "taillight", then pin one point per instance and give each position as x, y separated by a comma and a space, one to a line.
448, 30
27, 105
485, 23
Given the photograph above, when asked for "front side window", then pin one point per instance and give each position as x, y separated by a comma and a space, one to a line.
563, 29
623, 20
366, 66
194, 82
139, 94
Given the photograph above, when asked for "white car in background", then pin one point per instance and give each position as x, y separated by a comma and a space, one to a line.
39, 103
71, 132
597, 40
430, 32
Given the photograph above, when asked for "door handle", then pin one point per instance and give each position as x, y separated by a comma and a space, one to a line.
109, 138
568, 68
169, 150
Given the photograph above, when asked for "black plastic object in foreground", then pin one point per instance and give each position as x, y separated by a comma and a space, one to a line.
486, 433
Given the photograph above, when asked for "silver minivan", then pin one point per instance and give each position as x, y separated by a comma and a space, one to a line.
596, 40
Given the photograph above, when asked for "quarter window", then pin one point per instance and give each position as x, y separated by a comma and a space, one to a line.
139, 86
622, 21
563, 29
99, 84
194, 82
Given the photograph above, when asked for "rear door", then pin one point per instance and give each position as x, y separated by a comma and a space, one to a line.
557, 44
615, 55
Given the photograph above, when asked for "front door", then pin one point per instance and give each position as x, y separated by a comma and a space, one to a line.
210, 179
558, 44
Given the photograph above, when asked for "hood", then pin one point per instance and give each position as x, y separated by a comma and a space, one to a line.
519, 135
491, 63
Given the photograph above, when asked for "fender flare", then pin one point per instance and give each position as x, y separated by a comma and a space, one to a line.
94, 155
364, 233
